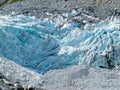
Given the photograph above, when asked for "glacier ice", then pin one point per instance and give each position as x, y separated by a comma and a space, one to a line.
48, 44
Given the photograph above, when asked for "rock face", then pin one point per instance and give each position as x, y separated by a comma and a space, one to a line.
2, 2
101, 8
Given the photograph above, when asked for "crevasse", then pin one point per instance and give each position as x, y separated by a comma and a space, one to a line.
42, 45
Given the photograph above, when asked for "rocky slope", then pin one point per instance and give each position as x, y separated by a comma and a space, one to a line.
101, 8
82, 78
78, 77
15, 76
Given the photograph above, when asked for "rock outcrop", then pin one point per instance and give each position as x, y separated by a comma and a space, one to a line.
101, 8
15, 76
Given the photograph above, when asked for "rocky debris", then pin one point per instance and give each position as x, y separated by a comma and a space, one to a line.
2, 2
82, 77
14, 75
99, 8
74, 16
78, 77
2, 85
12, 80
6, 84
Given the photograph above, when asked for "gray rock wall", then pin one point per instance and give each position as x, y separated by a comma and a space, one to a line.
101, 8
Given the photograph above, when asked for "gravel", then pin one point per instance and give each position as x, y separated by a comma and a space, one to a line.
101, 8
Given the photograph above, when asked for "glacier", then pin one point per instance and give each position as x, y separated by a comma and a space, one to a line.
46, 44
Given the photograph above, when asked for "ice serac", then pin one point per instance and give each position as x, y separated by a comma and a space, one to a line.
103, 46
57, 43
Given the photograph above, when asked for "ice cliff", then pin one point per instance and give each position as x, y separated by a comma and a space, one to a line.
59, 42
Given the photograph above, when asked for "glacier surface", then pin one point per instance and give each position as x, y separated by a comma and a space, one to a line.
42, 45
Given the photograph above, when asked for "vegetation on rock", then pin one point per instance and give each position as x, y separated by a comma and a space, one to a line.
12, 1
3, 2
